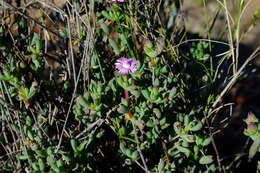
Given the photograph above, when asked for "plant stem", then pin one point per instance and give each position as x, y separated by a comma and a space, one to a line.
126, 95
139, 149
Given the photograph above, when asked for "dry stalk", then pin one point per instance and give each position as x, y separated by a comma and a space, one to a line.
234, 79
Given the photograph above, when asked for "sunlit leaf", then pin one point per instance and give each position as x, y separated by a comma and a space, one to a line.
204, 160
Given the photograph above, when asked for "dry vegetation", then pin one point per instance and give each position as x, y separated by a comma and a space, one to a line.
192, 105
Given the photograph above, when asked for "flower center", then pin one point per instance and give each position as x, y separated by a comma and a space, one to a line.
125, 65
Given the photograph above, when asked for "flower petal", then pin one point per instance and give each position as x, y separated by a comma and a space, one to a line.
126, 65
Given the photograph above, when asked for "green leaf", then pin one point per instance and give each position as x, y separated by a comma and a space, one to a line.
33, 90
30, 135
121, 82
51, 161
204, 58
199, 140
161, 165
206, 141
38, 62
197, 127
188, 138
82, 145
173, 92
41, 164
150, 123
164, 69
146, 94
104, 27
123, 39
35, 166
122, 148
186, 120
23, 23
60, 163
204, 160
106, 15
23, 93
128, 152
124, 102
94, 61
67, 158
163, 121
29, 121
196, 149
64, 32
55, 168
160, 45
4, 77
150, 50
50, 150
35, 39
156, 82
177, 127
254, 148
114, 45
134, 155
113, 85
135, 93
84, 101
23, 157
74, 145
157, 112
122, 131
184, 150
211, 168
122, 109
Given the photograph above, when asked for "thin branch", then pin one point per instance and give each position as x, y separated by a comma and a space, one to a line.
70, 106
208, 40
214, 146
139, 149
71, 53
234, 79
32, 19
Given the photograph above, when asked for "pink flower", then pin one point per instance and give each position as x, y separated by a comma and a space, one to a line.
251, 128
126, 65
118, 0
251, 118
